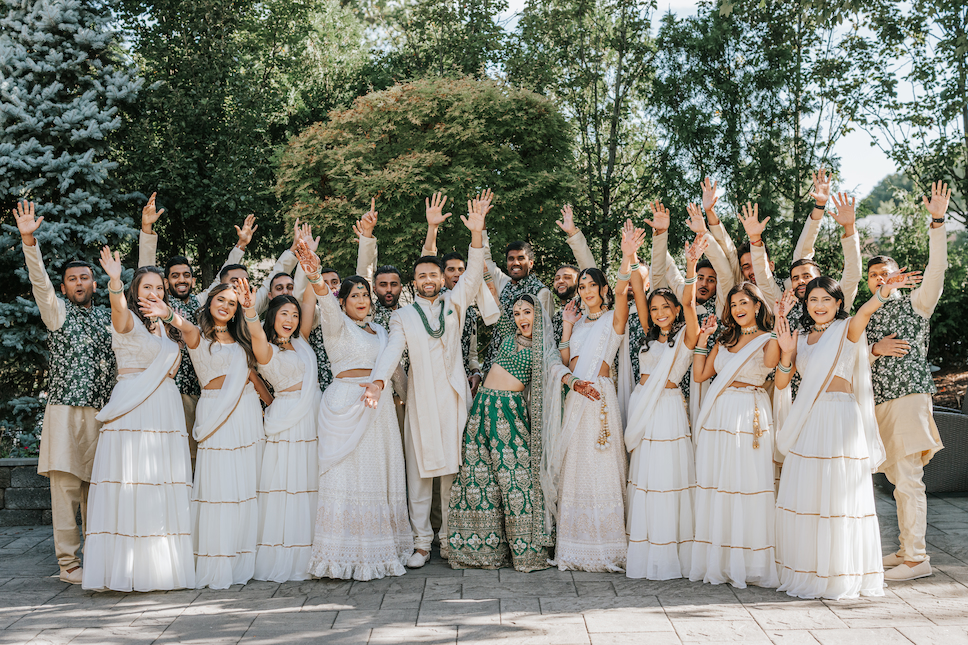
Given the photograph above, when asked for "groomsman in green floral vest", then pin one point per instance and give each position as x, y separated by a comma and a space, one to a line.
903, 387
81, 375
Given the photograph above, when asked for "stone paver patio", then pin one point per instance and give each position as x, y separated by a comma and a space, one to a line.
438, 606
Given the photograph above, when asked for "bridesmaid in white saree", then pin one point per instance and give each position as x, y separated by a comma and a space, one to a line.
588, 464
362, 526
289, 479
735, 498
138, 519
828, 541
228, 427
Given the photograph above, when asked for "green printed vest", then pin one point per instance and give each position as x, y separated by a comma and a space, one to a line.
186, 378
323, 369
895, 377
82, 369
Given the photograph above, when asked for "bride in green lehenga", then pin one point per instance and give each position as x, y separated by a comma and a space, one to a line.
498, 516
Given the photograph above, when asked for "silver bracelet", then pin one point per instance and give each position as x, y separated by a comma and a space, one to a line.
116, 292
254, 318
691, 280
565, 344
624, 276
881, 299
785, 370
170, 318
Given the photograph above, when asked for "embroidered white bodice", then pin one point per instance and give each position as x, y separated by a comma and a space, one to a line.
845, 364
284, 370
348, 346
212, 360
136, 349
649, 359
753, 372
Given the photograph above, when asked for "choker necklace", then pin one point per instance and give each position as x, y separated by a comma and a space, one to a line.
823, 327
283, 340
361, 323
598, 315
220, 328
752, 329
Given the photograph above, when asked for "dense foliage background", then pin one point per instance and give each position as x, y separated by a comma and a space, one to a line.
308, 108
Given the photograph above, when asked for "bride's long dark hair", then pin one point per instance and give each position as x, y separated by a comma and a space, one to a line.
236, 326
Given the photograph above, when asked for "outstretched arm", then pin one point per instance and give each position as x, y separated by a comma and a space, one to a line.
435, 217
925, 298
896, 280
245, 233
120, 316
366, 256
52, 309
718, 232
632, 239
850, 243
147, 239
260, 344
694, 253
761, 263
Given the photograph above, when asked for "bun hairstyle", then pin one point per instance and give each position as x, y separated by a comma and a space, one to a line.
236, 326
764, 317
269, 325
608, 300
347, 286
131, 297
833, 289
652, 332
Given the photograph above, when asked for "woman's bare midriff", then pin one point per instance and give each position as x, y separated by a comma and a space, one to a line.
605, 371
669, 384
838, 384
741, 384
357, 373
215, 383
294, 388
500, 379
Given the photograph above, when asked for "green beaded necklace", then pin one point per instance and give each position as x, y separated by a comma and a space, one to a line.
426, 323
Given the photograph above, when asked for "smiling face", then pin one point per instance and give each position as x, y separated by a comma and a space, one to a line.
801, 276
223, 306
592, 295
357, 303
282, 285
519, 264
822, 306
705, 284
453, 270
180, 281
427, 280
565, 283
79, 285
151, 286
287, 320
388, 289
743, 308
524, 317
663, 313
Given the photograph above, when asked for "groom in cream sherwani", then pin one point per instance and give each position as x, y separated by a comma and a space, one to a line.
438, 395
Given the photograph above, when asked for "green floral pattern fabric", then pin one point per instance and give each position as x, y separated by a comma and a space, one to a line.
185, 378
82, 369
894, 377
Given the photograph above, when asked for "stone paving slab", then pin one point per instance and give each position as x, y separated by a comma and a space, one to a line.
437, 605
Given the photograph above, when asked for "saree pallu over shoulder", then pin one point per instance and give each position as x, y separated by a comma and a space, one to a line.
644, 403
228, 397
276, 423
727, 376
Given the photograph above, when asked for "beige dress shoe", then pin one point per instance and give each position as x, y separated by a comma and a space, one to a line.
892, 560
72, 576
417, 560
903, 572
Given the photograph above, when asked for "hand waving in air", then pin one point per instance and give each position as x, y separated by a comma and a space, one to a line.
567, 221
902, 279
937, 205
821, 186
632, 239
571, 313
695, 250
308, 259
845, 210
660, 218
785, 304
150, 215
242, 289
111, 264
784, 338
709, 197
26, 223
435, 208
365, 225
708, 329
750, 219
695, 221
245, 233
477, 210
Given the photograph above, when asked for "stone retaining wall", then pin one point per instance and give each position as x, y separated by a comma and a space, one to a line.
24, 495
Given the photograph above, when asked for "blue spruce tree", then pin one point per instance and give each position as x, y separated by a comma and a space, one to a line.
64, 83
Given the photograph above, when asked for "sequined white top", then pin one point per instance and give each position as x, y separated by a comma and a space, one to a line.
649, 359
845, 364
348, 346
284, 369
212, 360
136, 349
753, 372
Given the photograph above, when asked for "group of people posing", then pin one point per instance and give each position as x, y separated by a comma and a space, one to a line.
664, 426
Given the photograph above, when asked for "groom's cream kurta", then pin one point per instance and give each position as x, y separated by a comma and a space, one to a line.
438, 395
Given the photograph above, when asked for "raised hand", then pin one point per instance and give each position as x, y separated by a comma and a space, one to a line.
786, 340
821, 186
572, 313
435, 207
660, 218
695, 222
247, 231
306, 234
111, 263
695, 251
567, 221
26, 223
903, 279
785, 304
845, 210
750, 219
632, 238
477, 211
371, 395
152, 307
242, 289
149, 214
709, 198
708, 329
308, 259
938, 204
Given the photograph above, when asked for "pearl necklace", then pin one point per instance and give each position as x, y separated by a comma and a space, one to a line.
283, 340
601, 312
823, 327
752, 329
220, 328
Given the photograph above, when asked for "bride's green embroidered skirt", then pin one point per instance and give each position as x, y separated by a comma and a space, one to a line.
497, 507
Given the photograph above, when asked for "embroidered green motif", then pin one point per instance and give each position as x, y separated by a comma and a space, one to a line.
82, 368
897, 376
509, 294
185, 378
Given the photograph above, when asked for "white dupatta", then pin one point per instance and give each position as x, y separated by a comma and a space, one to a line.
340, 429
824, 358
586, 369
228, 396
131, 392
644, 399
276, 423
727, 376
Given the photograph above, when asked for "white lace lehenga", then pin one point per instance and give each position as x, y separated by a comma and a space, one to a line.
362, 525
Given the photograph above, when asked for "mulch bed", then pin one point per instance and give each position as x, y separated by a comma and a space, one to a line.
951, 384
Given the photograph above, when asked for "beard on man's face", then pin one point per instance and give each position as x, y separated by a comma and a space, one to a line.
565, 292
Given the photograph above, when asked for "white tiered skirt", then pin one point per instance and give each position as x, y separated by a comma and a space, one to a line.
225, 515
287, 495
661, 490
362, 524
591, 526
138, 520
735, 499
828, 541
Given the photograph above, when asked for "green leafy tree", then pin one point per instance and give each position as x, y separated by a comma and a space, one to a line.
403, 144
63, 87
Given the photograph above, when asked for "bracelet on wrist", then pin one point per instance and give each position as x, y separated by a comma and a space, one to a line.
249, 318
773, 335
700, 351
691, 280
314, 278
565, 344
170, 318
783, 368
634, 267
115, 291
937, 220
624, 277
881, 299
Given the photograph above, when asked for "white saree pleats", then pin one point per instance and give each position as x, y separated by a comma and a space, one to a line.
225, 512
287, 495
735, 499
362, 525
138, 523
828, 540
591, 523
661, 490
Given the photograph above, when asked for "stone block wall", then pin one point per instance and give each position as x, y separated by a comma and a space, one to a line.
24, 495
